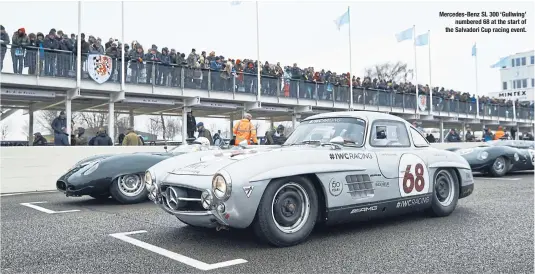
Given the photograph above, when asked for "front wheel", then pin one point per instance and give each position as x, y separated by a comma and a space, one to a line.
287, 212
129, 189
500, 167
445, 194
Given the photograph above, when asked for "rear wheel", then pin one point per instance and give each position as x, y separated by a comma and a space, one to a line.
129, 189
499, 167
287, 212
445, 194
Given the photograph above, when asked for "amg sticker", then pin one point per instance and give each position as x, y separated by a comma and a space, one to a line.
335, 187
350, 156
382, 184
413, 202
363, 209
375, 175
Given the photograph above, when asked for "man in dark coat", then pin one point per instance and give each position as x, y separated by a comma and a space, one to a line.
191, 123
59, 125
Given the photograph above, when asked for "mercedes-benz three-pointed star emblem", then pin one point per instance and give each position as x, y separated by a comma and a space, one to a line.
172, 198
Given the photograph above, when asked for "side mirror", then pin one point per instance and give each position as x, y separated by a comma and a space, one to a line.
243, 143
337, 139
165, 147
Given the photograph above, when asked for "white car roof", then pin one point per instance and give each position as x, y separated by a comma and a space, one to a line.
368, 116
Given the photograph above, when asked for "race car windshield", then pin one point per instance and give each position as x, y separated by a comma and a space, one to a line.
323, 130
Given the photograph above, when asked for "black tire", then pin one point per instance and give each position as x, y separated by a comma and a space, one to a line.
101, 197
499, 172
264, 225
442, 205
124, 199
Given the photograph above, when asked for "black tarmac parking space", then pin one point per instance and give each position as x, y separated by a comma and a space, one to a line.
490, 231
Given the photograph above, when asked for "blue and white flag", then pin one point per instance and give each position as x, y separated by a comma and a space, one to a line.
502, 63
422, 39
474, 50
235, 3
405, 35
342, 20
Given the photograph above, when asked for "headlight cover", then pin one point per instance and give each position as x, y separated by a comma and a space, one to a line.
483, 155
91, 167
221, 185
148, 178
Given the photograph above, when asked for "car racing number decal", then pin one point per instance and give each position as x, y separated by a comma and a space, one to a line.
532, 156
413, 176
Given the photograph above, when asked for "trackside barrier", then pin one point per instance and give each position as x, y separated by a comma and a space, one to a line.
37, 168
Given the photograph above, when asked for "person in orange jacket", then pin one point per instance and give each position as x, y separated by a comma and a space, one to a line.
499, 133
244, 130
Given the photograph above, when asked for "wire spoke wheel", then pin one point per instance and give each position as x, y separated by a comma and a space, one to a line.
290, 207
444, 188
131, 185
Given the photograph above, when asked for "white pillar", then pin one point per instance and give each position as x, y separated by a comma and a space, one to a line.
132, 118
441, 131
463, 138
30, 125
295, 120
111, 120
68, 115
231, 126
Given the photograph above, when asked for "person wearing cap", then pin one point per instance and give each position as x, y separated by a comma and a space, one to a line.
499, 133
59, 125
276, 136
203, 132
4, 39
131, 138
244, 130
39, 140
79, 137
19, 42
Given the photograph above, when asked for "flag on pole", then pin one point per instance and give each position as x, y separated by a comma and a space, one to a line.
342, 20
235, 3
422, 39
502, 63
405, 35
474, 50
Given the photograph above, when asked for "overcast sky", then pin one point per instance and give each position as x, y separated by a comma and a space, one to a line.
292, 32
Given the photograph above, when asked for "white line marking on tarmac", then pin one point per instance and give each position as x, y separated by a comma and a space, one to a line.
45, 210
26, 193
172, 255
498, 179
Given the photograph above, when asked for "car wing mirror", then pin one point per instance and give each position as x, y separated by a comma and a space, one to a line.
165, 147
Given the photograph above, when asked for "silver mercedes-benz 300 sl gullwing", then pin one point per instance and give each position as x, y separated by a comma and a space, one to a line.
334, 167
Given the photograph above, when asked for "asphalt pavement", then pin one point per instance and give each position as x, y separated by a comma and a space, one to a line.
490, 231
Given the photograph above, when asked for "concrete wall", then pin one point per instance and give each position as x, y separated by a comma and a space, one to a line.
37, 168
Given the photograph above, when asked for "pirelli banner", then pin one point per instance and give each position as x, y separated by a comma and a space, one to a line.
521, 94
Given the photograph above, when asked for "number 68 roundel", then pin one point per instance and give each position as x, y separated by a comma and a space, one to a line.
413, 176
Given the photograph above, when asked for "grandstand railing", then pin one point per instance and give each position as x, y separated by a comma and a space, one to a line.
58, 63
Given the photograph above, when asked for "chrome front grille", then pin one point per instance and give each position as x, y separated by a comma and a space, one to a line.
188, 199
360, 186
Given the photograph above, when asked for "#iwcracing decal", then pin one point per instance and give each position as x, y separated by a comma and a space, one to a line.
414, 176
350, 156
335, 187
413, 202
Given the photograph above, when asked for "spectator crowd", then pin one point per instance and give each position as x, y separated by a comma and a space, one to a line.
54, 54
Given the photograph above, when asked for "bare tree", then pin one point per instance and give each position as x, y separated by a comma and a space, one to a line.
162, 121
93, 119
172, 127
390, 72
4, 131
154, 126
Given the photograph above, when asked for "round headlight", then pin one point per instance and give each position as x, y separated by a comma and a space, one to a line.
91, 167
483, 155
219, 186
148, 178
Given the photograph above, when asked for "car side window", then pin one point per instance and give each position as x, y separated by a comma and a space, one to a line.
385, 133
418, 139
